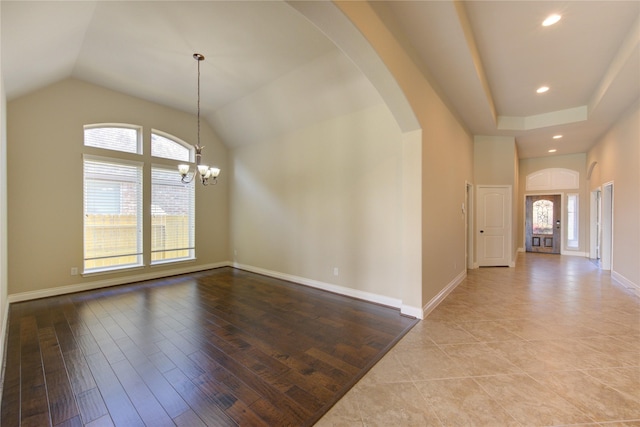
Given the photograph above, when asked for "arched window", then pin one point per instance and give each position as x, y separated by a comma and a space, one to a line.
170, 147
117, 137
112, 199
113, 202
172, 202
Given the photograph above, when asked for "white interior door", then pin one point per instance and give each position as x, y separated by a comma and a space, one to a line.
594, 233
606, 243
494, 226
468, 221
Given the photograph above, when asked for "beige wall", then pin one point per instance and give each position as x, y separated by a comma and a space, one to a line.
515, 223
4, 278
45, 146
447, 156
327, 196
46, 129
575, 162
617, 158
447, 166
495, 162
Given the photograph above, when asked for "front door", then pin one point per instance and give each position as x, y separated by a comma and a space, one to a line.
543, 224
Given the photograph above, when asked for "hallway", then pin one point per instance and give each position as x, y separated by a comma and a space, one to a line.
551, 342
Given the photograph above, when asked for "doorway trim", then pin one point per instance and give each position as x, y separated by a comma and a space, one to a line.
595, 213
468, 219
606, 256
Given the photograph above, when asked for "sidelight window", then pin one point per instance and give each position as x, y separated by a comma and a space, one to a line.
572, 221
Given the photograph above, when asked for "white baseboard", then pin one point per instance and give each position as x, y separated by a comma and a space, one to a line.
575, 253
407, 310
624, 281
80, 287
4, 336
410, 311
565, 252
435, 301
341, 290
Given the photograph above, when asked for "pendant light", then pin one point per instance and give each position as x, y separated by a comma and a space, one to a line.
207, 175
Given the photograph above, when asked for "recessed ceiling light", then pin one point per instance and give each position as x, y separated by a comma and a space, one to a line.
557, 136
551, 19
553, 150
542, 89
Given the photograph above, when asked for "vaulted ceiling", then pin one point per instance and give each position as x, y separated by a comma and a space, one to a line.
269, 70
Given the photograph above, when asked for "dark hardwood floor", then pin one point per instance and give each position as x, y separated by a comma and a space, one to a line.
218, 348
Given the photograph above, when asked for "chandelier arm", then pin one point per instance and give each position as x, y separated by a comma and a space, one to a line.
188, 181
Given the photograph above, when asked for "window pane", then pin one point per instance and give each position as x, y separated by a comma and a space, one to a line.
112, 215
572, 221
169, 149
112, 138
102, 197
172, 217
571, 232
543, 217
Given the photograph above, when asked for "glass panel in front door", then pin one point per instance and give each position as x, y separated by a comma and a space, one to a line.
543, 217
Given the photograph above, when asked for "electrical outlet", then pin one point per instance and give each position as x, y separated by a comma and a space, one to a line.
74, 271
336, 271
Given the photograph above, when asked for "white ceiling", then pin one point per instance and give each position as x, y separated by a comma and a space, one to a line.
268, 70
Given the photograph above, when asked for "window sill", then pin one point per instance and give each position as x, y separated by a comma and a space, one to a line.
172, 262
110, 270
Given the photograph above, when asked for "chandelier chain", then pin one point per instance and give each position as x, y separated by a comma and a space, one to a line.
198, 61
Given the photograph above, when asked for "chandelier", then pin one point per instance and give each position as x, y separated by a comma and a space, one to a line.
207, 175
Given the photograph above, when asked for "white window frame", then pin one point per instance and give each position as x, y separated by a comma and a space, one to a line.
573, 244
172, 164
138, 130
139, 251
192, 151
117, 156
190, 243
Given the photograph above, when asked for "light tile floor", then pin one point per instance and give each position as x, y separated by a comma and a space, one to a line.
553, 341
